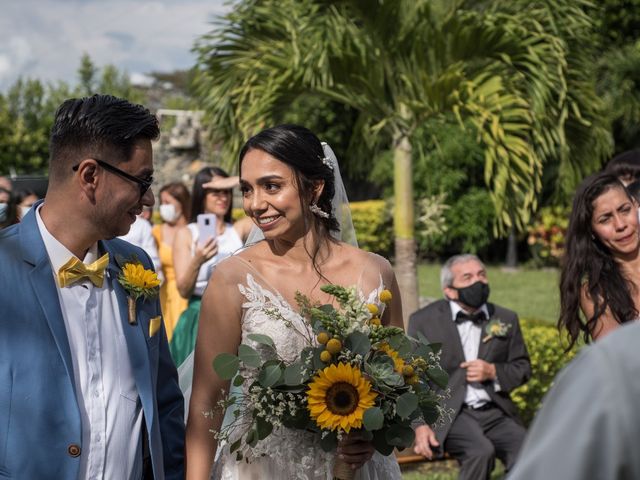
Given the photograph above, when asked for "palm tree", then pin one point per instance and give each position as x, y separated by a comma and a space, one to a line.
400, 63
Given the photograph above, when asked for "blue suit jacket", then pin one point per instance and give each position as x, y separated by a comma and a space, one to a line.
39, 415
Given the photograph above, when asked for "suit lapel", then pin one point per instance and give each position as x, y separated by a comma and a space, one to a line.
45, 288
133, 334
485, 347
450, 332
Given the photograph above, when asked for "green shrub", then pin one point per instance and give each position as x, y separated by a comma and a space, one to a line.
547, 359
374, 226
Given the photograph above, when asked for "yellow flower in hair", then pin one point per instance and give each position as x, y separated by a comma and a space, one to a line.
338, 396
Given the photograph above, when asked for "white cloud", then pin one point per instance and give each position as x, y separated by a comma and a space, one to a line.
46, 38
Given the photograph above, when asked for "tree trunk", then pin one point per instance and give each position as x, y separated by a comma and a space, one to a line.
403, 219
512, 249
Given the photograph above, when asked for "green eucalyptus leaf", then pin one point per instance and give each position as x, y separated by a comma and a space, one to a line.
373, 419
406, 404
380, 443
263, 428
235, 445
438, 376
249, 356
261, 339
329, 442
238, 380
400, 436
269, 375
293, 374
226, 365
358, 343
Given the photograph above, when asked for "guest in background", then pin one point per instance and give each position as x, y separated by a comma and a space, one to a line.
194, 260
486, 358
141, 236
175, 210
5, 183
25, 198
600, 273
7, 208
625, 166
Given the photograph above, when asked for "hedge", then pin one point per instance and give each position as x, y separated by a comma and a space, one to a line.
547, 359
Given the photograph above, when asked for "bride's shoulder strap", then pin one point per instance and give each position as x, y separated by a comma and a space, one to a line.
376, 269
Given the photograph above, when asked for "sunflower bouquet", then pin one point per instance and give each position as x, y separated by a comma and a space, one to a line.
355, 375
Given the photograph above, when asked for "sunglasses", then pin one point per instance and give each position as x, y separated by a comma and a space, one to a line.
143, 184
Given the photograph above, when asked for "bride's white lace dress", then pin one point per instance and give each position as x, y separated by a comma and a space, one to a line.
286, 454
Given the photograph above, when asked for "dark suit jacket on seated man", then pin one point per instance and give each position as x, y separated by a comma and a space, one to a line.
485, 356
87, 389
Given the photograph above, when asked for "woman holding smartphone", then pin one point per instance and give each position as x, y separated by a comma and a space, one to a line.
200, 245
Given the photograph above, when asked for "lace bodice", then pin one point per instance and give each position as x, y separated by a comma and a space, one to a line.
286, 453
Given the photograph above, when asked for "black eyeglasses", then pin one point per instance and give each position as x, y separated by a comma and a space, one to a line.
143, 185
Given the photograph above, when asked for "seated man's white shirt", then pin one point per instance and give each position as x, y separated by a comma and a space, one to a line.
470, 338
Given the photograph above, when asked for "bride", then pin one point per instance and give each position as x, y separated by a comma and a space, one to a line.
289, 187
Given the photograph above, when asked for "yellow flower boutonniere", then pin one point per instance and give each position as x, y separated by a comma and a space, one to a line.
495, 328
138, 282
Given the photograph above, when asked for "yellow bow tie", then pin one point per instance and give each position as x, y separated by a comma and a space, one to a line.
75, 270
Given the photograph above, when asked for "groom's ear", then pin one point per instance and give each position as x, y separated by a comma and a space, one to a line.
318, 188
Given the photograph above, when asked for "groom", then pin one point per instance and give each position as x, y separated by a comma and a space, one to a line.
87, 388
485, 356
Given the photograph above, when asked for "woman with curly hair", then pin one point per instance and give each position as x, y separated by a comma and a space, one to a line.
601, 267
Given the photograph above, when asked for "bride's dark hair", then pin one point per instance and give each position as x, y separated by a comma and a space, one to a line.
301, 150
587, 262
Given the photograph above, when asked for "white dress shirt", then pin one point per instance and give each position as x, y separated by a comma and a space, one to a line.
470, 337
110, 409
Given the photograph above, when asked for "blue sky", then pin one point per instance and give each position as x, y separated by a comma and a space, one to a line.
45, 38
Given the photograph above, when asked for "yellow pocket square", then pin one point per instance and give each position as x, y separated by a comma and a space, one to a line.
154, 325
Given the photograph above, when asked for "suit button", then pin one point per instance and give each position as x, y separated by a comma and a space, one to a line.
73, 450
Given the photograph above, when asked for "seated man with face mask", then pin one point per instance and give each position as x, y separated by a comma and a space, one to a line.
485, 356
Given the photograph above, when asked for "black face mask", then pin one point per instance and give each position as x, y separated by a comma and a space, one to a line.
474, 295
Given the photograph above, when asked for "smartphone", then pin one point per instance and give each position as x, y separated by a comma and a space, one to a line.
206, 227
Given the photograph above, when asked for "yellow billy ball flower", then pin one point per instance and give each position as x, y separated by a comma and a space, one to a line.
407, 371
412, 380
375, 321
325, 356
373, 309
385, 296
338, 396
334, 346
323, 338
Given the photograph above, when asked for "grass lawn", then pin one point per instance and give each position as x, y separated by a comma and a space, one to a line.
441, 470
532, 294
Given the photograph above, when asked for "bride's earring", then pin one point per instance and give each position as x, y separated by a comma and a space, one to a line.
316, 210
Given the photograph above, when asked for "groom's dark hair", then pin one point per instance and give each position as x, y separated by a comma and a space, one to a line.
97, 126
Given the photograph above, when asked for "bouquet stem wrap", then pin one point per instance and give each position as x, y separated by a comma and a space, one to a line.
343, 471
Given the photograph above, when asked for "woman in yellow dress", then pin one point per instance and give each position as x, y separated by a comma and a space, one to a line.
175, 206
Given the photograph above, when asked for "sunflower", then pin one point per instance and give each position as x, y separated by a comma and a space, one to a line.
397, 361
139, 277
338, 397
